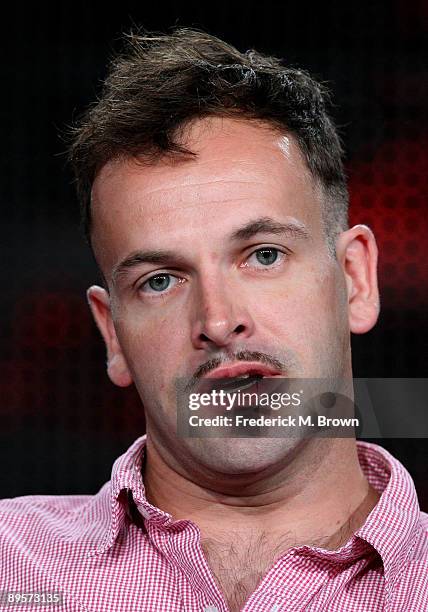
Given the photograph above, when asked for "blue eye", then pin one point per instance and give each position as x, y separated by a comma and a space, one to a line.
266, 256
159, 283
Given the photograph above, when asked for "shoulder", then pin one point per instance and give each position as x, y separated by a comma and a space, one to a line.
55, 520
35, 509
29, 504
42, 538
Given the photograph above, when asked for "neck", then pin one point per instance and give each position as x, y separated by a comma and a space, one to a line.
320, 497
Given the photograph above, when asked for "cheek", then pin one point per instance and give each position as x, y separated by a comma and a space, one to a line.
326, 327
308, 314
152, 343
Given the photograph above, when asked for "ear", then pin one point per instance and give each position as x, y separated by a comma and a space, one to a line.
357, 253
117, 368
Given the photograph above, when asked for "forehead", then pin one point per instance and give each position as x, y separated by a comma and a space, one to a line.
240, 167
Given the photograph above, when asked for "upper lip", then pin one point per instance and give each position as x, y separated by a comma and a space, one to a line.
232, 370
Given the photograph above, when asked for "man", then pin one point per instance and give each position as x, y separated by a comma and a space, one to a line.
214, 199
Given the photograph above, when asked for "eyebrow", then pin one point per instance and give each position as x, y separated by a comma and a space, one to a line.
262, 225
267, 225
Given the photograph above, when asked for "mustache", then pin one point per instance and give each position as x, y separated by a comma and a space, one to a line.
244, 355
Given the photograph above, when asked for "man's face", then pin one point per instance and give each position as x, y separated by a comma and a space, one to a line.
212, 261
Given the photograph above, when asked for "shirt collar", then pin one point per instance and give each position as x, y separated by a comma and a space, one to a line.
390, 528
394, 523
127, 496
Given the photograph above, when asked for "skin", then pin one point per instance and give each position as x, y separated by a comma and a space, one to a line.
298, 312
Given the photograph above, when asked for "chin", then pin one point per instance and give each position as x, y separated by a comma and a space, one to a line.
243, 455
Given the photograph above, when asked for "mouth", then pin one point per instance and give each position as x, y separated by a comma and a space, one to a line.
241, 376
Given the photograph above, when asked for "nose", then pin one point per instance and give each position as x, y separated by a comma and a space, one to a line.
221, 316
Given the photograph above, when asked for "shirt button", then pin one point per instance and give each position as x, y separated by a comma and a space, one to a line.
210, 609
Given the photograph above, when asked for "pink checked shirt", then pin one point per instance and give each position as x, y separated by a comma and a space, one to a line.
114, 551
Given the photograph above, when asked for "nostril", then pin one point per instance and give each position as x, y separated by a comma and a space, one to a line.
221, 333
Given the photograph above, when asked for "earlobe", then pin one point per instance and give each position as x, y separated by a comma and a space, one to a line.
357, 253
117, 368
118, 371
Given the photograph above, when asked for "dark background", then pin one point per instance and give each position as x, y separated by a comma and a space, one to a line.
62, 421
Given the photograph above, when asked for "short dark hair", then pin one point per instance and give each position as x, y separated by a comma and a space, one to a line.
158, 83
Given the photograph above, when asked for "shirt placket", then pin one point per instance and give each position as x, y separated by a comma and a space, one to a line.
180, 544
290, 585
